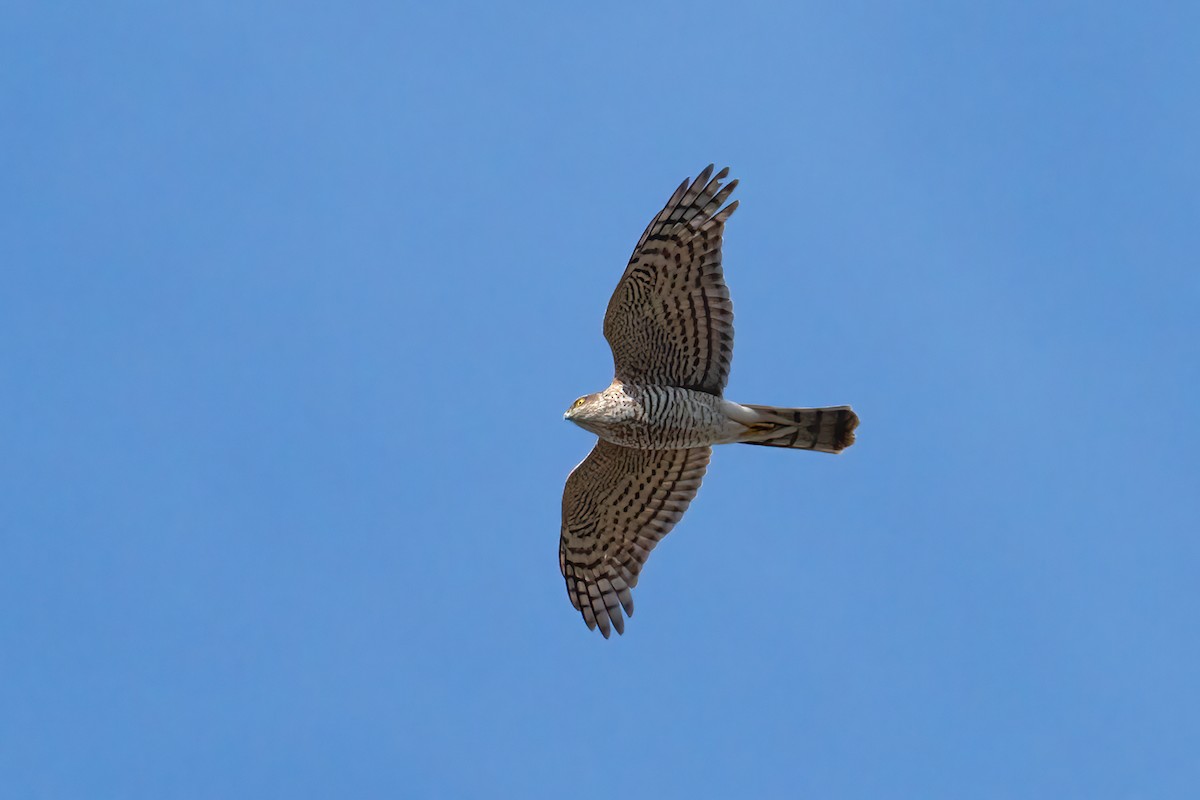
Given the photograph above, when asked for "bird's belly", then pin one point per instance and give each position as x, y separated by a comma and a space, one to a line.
671, 419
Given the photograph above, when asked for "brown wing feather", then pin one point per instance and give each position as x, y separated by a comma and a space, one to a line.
617, 505
670, 320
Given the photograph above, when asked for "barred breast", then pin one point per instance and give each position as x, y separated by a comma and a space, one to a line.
671, 418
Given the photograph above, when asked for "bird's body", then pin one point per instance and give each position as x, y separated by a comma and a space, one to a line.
670, 418
657, 417
670, 326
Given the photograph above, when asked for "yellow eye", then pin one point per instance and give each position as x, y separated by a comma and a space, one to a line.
579, 402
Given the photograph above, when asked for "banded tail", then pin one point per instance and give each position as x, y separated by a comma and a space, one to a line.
826, 430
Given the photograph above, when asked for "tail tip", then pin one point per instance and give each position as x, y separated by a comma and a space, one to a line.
845, 430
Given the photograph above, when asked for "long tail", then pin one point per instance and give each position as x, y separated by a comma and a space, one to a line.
827, 430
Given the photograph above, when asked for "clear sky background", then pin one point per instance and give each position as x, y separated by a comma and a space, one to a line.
294, 297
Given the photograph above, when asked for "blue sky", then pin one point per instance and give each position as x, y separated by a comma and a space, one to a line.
296, 295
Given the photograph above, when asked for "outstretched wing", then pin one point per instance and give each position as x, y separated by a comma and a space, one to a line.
618, 503
670, 320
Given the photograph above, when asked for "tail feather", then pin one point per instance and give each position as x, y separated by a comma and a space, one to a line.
827, 430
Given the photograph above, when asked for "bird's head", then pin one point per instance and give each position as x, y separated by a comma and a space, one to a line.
578, 412
601, 411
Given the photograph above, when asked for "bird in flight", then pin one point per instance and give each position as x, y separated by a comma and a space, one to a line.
670, 326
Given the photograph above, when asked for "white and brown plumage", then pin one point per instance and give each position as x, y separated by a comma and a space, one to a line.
670, 326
